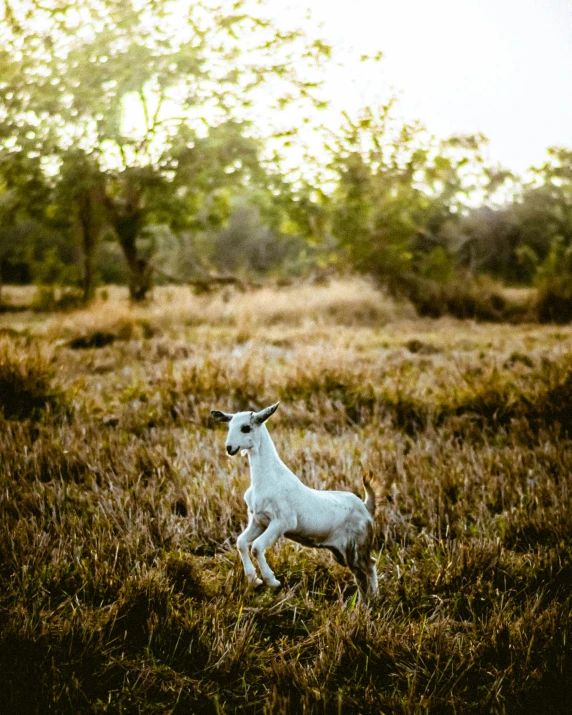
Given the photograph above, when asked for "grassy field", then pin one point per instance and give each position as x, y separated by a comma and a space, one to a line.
120, 587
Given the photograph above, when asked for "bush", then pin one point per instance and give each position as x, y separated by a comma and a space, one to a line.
476, 298
27, 383
51, 298
554, 282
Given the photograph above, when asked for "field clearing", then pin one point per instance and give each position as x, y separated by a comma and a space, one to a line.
120, 586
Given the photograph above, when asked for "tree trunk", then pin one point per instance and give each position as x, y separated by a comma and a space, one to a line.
140, 272
127, 217
88, 241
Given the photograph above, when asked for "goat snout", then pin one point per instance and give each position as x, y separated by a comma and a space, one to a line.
230, 450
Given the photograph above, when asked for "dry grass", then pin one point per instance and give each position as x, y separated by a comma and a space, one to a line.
120, 586
341, 302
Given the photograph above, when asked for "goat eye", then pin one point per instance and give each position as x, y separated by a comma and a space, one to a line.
245, 428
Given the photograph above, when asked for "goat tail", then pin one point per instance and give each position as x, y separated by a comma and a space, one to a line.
370, 500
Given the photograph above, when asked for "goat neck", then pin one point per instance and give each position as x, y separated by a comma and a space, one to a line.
263, 459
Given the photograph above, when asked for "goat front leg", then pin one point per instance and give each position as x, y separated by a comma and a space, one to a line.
252, 531
273, 532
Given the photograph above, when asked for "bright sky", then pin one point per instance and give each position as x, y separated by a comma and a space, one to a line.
500, 67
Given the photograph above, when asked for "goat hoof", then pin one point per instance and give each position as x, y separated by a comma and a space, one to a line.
273, 583
254, 582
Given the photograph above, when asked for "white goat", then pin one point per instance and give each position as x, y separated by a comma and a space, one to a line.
279, 504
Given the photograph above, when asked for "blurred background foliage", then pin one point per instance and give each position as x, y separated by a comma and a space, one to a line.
148, 142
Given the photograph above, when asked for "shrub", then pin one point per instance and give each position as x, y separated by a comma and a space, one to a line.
27, 382
97, 339
51, 298
476, 298
554, 282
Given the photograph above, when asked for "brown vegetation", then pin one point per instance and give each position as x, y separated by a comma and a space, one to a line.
120, 588
476, 299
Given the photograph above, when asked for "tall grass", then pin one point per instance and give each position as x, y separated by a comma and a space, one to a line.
27, 381
120, 588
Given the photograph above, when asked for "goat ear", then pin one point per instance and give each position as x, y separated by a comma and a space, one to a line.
221, 416
263, 415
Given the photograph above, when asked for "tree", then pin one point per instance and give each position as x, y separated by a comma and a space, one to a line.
151, 103
21, 218
79, 206
546, 202
396, 189
513, 240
